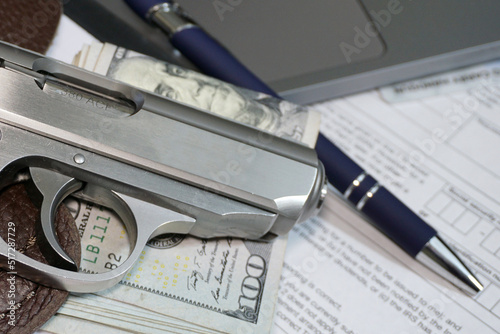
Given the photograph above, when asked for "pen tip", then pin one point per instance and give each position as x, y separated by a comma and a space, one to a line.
441, 259
475, 284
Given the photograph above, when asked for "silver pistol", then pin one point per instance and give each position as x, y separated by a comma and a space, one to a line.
162, 166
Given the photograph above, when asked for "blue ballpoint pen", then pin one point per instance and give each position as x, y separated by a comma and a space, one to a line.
375, 202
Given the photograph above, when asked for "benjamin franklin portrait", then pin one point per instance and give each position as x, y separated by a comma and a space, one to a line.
246, 106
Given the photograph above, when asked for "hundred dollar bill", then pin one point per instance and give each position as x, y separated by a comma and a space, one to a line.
209, 286
280, 117
181, 284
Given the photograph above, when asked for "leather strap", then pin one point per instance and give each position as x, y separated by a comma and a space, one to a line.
24, 305
30, 24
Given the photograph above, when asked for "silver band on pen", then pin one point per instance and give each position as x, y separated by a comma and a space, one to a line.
357, 181
369, 194
170, 17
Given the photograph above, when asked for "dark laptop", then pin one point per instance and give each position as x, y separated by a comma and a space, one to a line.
310, 51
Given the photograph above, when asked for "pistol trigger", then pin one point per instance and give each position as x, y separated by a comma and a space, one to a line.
54, 188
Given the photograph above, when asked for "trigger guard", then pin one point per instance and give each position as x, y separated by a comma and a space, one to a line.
54, 188
63, 279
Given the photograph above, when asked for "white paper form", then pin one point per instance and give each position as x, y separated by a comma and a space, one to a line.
441, 156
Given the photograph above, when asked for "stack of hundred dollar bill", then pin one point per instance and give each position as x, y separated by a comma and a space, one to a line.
181, 284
